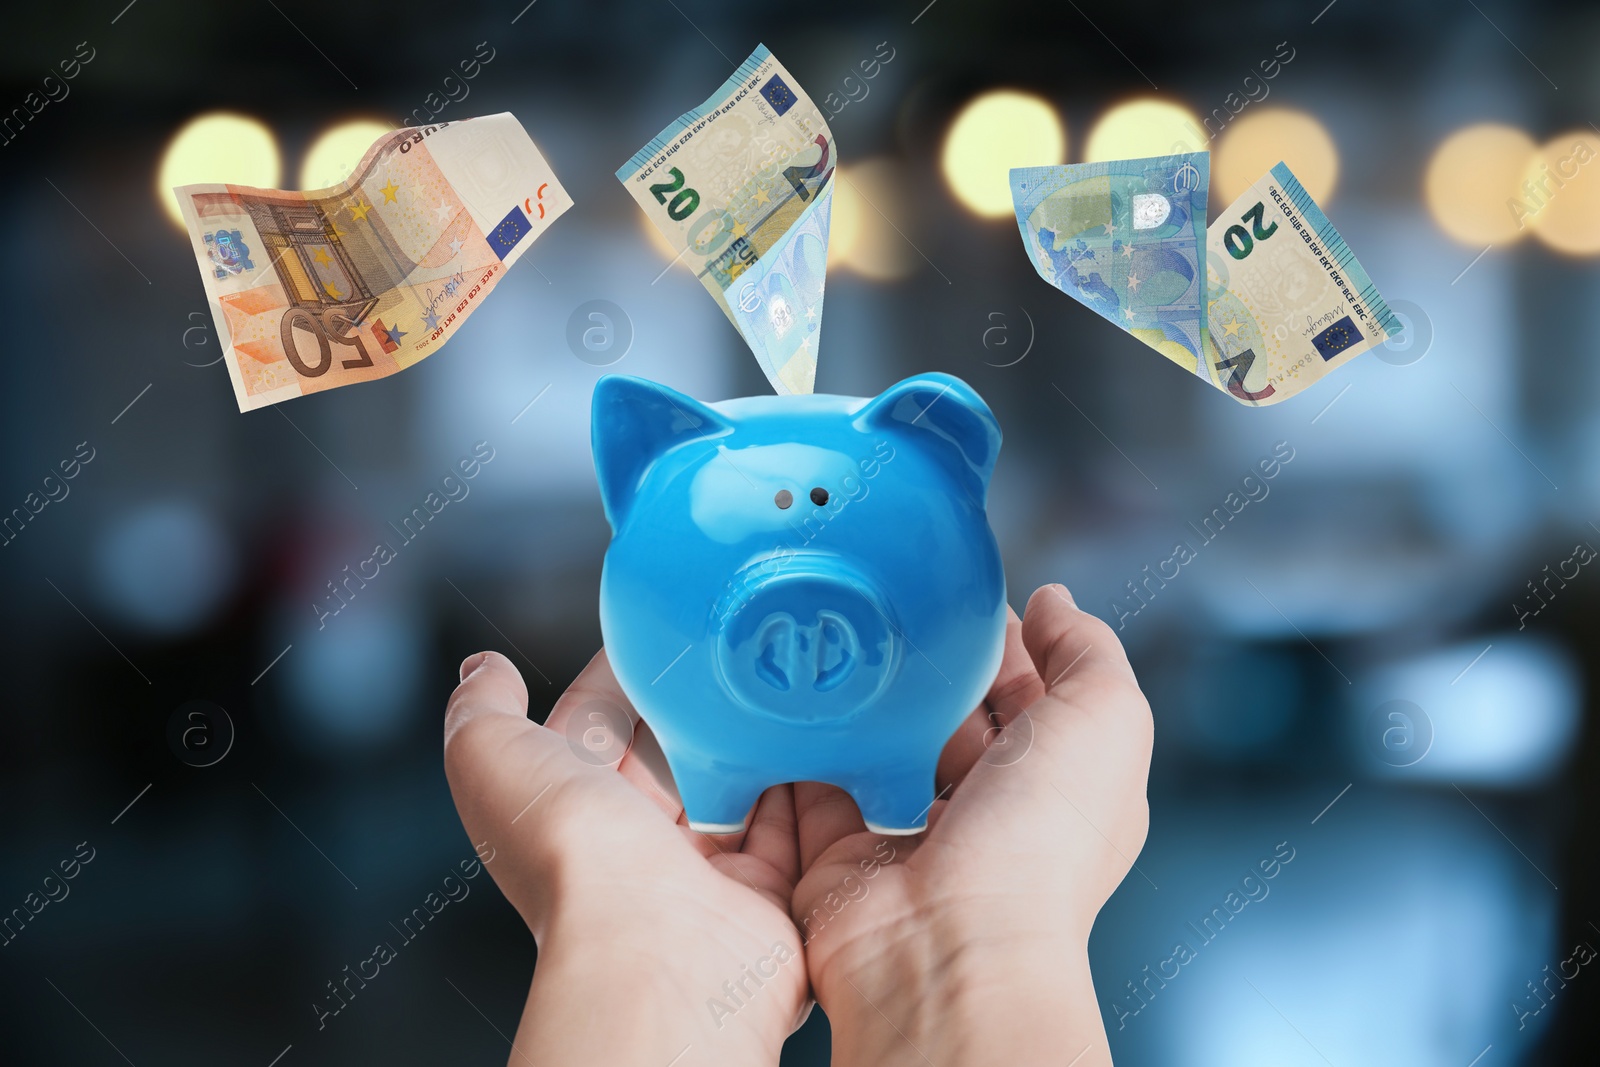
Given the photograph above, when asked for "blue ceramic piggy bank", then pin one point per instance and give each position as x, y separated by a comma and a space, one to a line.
800, 588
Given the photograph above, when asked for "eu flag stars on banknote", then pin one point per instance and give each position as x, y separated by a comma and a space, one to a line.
314, 290
1263, 303
742, 187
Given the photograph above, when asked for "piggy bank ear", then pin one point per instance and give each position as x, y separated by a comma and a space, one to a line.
633, 423
946, 412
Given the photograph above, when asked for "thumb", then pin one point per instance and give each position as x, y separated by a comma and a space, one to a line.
503, 768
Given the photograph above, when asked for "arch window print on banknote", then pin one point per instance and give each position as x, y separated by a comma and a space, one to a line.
314, 290
1261, 304
742, 187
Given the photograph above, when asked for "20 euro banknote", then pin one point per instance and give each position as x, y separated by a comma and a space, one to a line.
314, 290
742, 188
1261, 304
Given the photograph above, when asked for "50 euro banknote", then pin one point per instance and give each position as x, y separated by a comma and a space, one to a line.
742, 188
314, 290
1261, 304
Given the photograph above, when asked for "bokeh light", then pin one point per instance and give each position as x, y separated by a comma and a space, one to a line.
1473, 739
1473, 175
995, 132
164, 567
349, 686
218, 147
333, 156
658, 240
861, 237
1563, 193
1141, 128
1258, 140
844, 226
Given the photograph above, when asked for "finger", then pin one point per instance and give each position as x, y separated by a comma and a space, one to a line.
515, 781
1093, 715
644, 766
823, 815
487, 714
594, 704
1069, 646
500, 764
596, 684
1015, 686
771, 837
490, 685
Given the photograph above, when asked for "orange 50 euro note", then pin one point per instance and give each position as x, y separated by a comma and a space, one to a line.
314, 290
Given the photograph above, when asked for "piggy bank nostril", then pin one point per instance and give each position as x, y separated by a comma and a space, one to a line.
783, 499
837, 651
768, 671
819, 496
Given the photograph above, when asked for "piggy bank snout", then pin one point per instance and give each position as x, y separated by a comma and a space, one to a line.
821, 653
806, 646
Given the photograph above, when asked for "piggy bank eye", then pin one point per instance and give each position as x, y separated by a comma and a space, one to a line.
784, 498
819, 496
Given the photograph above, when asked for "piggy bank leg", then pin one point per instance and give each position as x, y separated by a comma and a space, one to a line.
716, 800
897, 799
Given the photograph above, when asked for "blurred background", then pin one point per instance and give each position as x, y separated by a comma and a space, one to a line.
1385, 667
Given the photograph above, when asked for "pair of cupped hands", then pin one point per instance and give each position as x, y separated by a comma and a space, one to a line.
965, 944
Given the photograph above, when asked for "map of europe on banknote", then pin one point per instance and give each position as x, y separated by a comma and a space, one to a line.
742, 187
314, 290
1263, 303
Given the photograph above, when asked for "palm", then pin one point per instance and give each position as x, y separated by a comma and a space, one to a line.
1049, 819
714, 905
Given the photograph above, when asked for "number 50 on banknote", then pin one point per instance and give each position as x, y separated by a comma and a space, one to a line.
314, 290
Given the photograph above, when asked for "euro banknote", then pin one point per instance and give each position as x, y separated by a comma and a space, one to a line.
742, 188
1261, 304
314, 290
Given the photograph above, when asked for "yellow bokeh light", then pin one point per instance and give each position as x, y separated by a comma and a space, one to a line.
995, 132
333, 156
861, 237
218, 147
1560, 197
658, 240
1258, 140
1142, 128
844, 225
1473, 175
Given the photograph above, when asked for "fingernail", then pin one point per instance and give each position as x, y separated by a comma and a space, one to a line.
472, 663
1063, 592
